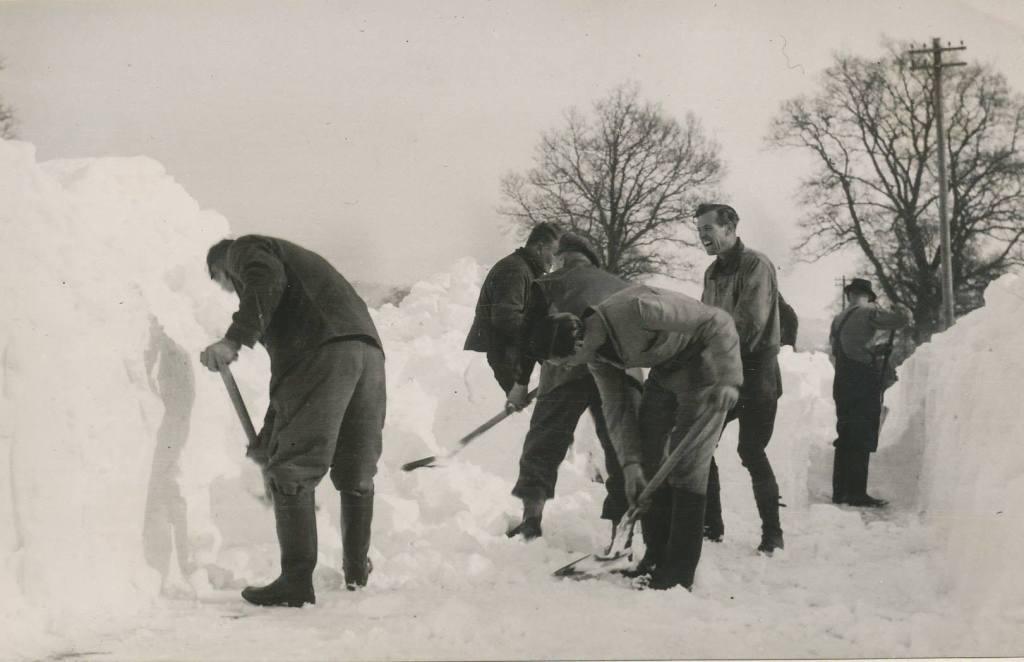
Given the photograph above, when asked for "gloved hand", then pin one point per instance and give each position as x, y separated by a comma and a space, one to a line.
721, 397
635, 482
517, 399
221, 353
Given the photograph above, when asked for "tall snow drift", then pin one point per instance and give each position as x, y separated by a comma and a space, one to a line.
122, 476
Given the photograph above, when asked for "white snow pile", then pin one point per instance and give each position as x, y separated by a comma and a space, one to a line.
126, 504
957, 406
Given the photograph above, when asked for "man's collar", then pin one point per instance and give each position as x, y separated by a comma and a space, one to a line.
728, 260
531, 258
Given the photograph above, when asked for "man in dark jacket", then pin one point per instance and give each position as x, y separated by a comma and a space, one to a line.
499, 309
742, 282
857, 390
327, 399
693, 352
565, 391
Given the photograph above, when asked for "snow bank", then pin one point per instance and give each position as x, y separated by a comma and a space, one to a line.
104, 303
122, 477
956, 411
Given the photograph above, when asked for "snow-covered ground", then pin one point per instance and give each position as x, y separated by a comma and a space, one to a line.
129, 519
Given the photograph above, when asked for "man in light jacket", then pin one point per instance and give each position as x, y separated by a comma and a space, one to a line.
693, 353
742, 282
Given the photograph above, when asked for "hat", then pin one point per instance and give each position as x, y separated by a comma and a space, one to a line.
860, 285
553, 337
570, 241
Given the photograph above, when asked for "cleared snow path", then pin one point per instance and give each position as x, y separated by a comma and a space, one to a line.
849, 584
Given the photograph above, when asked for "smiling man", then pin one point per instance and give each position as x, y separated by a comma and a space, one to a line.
742, 282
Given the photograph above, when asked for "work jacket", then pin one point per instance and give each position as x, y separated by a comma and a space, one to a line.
742, 282
499, 308
669, 332
573, 288
292, 301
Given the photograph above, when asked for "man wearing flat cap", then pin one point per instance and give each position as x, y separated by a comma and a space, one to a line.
564, 392
857, 391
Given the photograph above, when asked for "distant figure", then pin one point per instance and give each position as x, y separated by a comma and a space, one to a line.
789, 324
857, 390
565, 392
499, 309
327, 399
742, 282
693, 353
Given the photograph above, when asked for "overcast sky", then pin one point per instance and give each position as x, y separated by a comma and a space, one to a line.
377, 133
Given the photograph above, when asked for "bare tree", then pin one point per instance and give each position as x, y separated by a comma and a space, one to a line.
627, 178
7, 121
871, 130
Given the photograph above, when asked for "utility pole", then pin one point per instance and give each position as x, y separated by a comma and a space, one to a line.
937, 65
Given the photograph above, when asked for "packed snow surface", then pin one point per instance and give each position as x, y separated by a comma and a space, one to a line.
129, 518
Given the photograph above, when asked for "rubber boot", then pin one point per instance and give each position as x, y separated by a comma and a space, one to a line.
529, 528
654, 526
714, 528
685, 538
858, 491
839, 477
766, 495
295, 516
356, 518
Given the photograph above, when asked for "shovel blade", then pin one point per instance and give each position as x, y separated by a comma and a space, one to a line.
594, 565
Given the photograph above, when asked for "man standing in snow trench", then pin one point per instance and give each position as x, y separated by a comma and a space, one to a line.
742, 282
327, 399
694, 356
857, 391
499, 309
565, 391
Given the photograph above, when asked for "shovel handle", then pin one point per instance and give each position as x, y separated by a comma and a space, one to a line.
236, 400
465, 441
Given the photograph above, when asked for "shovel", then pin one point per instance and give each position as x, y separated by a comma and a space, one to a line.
243, 417
433, 460
619, 555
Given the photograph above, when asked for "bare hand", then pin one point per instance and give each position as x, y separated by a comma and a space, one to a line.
221, 353
517, 398
722, 398
635, 482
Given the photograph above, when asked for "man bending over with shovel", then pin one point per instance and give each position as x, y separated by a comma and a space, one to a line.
327, 399
693, 352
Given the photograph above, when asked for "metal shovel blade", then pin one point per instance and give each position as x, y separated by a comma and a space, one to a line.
618, 556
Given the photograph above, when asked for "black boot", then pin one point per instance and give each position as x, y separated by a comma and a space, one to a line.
295, 515
356, 518
839, 477
529, 528
685, 538
654, 525
714, 527
766, 495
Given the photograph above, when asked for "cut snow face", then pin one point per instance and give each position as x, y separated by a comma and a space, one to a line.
129, 518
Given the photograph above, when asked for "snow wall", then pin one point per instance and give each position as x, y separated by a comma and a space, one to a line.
122, 477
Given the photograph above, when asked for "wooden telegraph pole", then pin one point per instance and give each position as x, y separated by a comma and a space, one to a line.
937, 65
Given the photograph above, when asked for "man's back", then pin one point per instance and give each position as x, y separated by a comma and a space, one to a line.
292, 300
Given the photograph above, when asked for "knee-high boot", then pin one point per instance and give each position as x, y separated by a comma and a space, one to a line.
654, 525
295, 517
714, 527
766, 495
356, 518
685, 538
